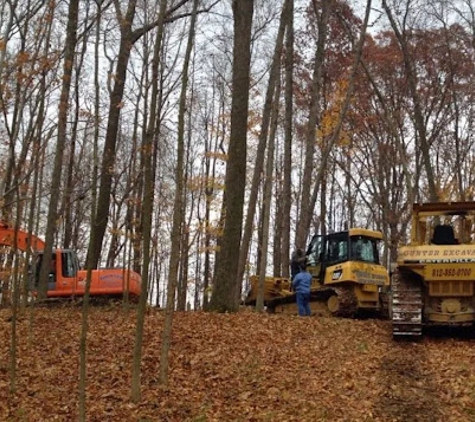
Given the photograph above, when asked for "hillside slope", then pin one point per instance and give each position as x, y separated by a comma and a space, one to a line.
241, 367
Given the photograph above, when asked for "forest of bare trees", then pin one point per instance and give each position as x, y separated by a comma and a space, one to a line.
206, 139
198, 142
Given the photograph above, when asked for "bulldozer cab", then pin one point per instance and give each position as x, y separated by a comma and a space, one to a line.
443, 223
337, 248
324, 251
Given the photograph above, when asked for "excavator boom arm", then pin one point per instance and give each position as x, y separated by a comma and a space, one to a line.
23, 239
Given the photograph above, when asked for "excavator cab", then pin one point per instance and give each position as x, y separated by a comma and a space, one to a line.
64, 268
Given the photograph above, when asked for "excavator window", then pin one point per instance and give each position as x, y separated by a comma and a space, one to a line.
70, 264
35, 271
52, 270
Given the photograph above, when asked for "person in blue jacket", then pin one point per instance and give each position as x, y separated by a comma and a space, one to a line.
301, 285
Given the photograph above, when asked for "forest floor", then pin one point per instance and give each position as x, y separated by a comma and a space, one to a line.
235, 367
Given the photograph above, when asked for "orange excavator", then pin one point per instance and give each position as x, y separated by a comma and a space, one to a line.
65, 278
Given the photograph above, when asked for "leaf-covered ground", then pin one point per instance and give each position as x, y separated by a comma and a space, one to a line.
240, 367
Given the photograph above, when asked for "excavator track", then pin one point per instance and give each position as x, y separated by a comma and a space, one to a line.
406, 306
343, 302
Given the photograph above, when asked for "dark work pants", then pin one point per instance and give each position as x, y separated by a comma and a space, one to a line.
303, 304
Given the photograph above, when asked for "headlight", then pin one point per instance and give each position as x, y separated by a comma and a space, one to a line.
336, 275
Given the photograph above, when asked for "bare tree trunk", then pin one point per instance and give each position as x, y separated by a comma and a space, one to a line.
16, 289
277, 269
101, 216
147, 207
210, 173
225, 283
38, 156
69, 55
306, 210
323, 205
178, 208
95, 147
68, 200
261, 148
70, 47
134, 208
349, 211
183, 278
198, 283
286, 183
308, 207
267, 202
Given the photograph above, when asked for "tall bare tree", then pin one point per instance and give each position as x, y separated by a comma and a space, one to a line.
402, 35
100, 219
69, 55
147, 211
267, 200
287, 168
322, 13
178, 206
225, 286
261, 148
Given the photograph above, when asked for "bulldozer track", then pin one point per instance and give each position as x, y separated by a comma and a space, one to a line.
319, 296
339, 302
384, 311
406, 306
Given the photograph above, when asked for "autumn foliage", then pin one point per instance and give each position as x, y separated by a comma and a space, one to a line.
237, 367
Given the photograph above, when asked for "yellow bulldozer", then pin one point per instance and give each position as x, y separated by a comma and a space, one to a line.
433, 282
348, 277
